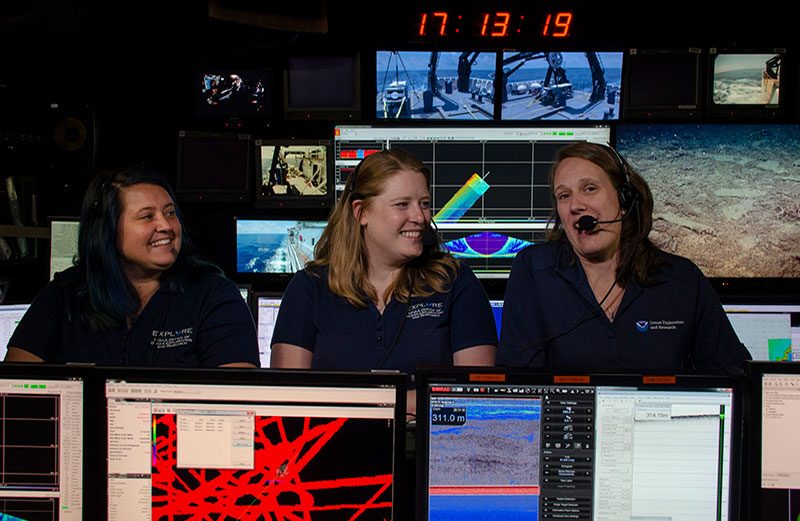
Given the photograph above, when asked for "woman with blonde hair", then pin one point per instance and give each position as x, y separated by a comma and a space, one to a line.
381, 292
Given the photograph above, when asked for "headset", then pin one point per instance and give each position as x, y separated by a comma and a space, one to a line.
627, 193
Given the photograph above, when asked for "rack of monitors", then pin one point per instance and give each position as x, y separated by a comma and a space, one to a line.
489, 186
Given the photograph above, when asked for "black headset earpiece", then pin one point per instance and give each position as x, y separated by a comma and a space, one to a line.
627, 193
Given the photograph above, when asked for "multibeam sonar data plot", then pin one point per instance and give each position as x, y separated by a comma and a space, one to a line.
463, 200
486, 244
303, 468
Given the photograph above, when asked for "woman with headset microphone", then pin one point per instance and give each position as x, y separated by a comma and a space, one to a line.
381, 293
599, 295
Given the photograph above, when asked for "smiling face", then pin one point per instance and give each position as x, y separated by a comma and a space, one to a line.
394, 220
583, 188
148, 231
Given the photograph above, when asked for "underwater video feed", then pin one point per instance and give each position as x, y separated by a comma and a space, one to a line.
727, 196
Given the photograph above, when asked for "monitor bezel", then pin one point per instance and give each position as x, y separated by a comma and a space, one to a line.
652, 381
202, 112
608, 117
657, 111
291, 201
242, 195
755, 370
316, 112
745, 110
267, 377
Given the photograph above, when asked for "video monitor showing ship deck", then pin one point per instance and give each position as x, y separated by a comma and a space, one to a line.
561, 85
292, 173
490, 189
275, 246
435, 85
527, 447
746, 79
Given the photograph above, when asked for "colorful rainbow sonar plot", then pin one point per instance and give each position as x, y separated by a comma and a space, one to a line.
486, 244
463, 200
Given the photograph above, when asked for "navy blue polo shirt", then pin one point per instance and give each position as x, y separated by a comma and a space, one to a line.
207, 325
552, 319
343, 337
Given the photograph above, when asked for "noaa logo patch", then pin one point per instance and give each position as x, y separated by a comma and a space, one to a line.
642, 325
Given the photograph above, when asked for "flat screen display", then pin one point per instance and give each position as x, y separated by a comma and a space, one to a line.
769, 331
275, 246
547, 447
489, 185
253, 446
293, 173
746, 79
435, 85
561, 85
214, 167
662, 83
322, 87
233, 93
42, 421
726, 195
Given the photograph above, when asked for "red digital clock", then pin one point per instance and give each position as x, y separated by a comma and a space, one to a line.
445, 25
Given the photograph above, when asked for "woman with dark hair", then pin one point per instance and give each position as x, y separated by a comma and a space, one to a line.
381, 293
137, 295
599, 295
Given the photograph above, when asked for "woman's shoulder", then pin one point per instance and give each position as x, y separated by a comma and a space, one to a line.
542, 255
676, 267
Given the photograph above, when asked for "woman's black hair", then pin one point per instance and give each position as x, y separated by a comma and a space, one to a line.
104, 295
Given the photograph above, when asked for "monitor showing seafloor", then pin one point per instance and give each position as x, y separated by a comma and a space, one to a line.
563, 86
727, 196
435, 85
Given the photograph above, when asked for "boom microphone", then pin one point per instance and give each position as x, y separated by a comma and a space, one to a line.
588, 223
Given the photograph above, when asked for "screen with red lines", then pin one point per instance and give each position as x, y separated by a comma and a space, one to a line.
251, 452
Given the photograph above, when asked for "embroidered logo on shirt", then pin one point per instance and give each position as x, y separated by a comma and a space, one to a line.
425, 309
172, 338
658, 325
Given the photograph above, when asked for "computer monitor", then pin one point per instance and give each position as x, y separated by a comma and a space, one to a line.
293, 174
10, 315
322, 87
275, 246
233, 93
745, 83
265, 310
42, 425
726, 195
662, 83
435, 85
490, 190
214, 166
561, 86
774, 485
769, 331
254, 444
63, 243
495, 445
